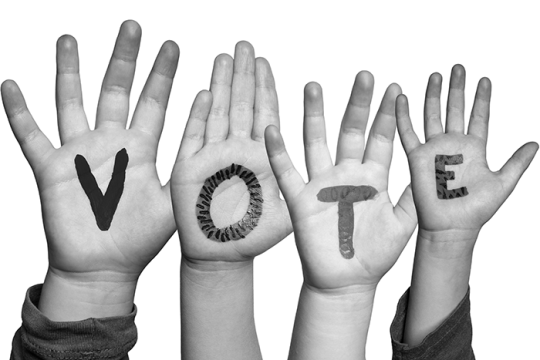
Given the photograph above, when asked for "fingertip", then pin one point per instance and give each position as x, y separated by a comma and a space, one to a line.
271, 131
204, 97
67, 55
170, 50
263, 74
263, 68
11, 97
365, 79
166, 62
518, 163
529, 149
402, 104
533, 146
457, 78
435, 78
262, 62
526, 152
434, 86
66, 43
394, 90
244, 48
483, 91
223, 60
388, 104
274, 141
131, 28
484, 85
9, 86
126, 48
312, 90
402, 98
200, 109
458, 70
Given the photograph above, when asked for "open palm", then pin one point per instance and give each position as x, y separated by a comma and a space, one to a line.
238, 214
465, 200
380, 230
143, 220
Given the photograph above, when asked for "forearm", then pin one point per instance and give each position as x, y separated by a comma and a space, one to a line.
440, 280
217, 311
332, 324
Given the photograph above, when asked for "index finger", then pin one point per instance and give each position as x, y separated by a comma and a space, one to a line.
266, 100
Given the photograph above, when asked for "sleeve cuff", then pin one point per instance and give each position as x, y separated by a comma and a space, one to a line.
109, 338
451, 340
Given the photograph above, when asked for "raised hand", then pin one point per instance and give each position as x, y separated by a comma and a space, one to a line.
105, 213
454, 190
227, 206
225, 197
455, 194
347, 231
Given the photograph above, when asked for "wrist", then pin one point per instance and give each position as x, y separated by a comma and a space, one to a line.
75, 297
344, 308
217, 275
332, 323
440, 280
345, 292
350, 301
211, 266
452, 244
444, 258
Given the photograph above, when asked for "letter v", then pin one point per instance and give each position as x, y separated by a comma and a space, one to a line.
103, 207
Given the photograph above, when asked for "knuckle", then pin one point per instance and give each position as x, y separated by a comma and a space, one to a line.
243, 106
29, 137
314, 142
115, 89
219, 111
154, 102
70, 103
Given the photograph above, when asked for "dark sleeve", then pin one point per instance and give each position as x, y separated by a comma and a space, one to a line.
450, 341
40, 338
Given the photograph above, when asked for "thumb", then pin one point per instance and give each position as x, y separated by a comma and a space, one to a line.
514, 168
405, 210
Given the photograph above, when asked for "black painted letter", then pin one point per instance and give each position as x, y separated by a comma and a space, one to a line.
103, 207
346, 196
442, 177
240, 229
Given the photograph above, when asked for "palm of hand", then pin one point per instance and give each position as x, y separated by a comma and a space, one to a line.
144, 211
77, 246
381, 230
226, 127
378, 237
229, 202
486, 191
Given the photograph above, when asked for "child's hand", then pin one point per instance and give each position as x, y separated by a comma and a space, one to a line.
356, 241
455, 194
227, 206
104, 235
454, 190
226, 199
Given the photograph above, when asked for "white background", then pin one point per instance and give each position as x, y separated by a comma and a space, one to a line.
328, 42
